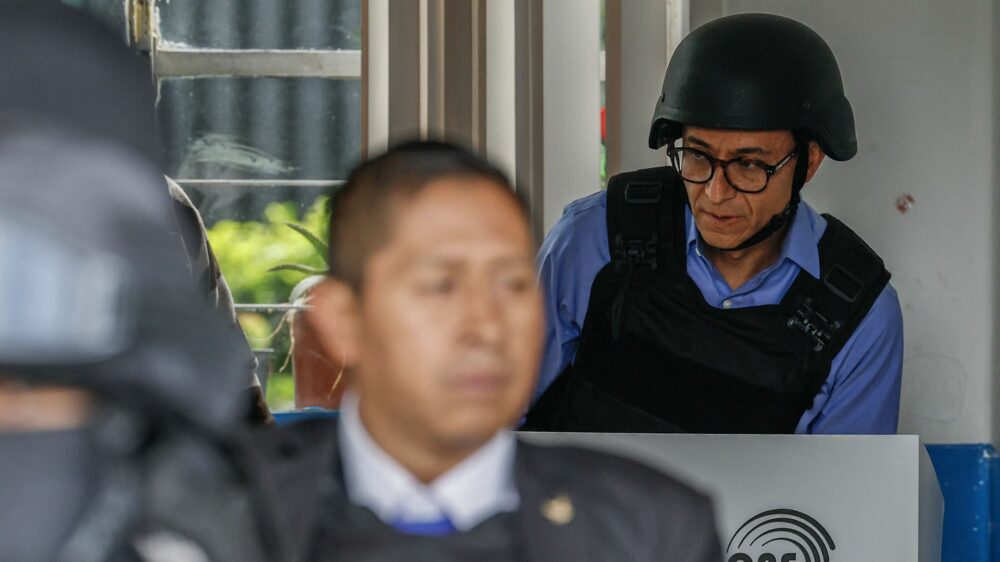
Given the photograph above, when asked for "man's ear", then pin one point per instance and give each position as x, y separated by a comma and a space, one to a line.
816, 156
333, 317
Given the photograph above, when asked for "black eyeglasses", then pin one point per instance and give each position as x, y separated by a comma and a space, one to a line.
744, 174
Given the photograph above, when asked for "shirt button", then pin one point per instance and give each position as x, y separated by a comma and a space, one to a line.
727, 303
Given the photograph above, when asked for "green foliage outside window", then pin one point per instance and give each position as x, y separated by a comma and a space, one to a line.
246, 250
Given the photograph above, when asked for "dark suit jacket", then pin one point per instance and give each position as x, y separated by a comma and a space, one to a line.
620, 510
205, 271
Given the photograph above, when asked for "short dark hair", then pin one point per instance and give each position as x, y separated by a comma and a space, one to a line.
361, 211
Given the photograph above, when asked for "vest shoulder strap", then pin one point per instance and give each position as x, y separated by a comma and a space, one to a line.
852, 276
645, 216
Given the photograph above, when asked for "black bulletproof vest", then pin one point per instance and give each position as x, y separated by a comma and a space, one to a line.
355, 534
655, 357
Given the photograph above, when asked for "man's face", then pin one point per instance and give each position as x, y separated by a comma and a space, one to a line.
450, 317
724, 216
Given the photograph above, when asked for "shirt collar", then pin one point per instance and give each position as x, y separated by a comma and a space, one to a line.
801, 244
476, 489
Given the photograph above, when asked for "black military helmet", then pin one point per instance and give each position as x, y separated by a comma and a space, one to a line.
58, 63
756, 72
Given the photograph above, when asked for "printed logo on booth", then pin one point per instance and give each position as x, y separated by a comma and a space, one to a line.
780, 535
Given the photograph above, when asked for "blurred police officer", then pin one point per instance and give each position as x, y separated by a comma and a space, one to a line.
432, 304
113, 441
119, 384
59, 64
706, 296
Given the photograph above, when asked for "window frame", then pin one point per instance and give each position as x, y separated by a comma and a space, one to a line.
171, 61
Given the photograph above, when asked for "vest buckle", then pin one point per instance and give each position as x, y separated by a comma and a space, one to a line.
813, 324
635, 252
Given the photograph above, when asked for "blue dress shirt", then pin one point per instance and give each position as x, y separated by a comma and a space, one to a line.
861, 395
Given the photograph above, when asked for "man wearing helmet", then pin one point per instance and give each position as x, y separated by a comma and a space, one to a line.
706, 296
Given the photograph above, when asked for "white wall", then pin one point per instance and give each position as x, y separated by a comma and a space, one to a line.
572, 103
643, 62
920, 74
501, 132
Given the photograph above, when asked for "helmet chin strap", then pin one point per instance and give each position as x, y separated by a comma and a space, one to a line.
779, 220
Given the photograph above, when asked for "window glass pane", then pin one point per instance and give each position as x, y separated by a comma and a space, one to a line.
248, 230
246, 128
249, 233
261, 24
239, 201
263, 132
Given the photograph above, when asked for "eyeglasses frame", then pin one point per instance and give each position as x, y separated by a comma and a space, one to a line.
769, 170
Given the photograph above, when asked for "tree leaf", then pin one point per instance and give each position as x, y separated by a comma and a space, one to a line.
321, 247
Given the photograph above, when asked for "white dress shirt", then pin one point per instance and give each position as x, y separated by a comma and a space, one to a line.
474, 490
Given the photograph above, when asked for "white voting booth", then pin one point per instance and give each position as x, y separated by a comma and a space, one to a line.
782, 498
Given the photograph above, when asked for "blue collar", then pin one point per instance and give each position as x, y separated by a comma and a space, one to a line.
801, 241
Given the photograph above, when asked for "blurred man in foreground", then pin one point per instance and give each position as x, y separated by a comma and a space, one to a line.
433, 307
62, 67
